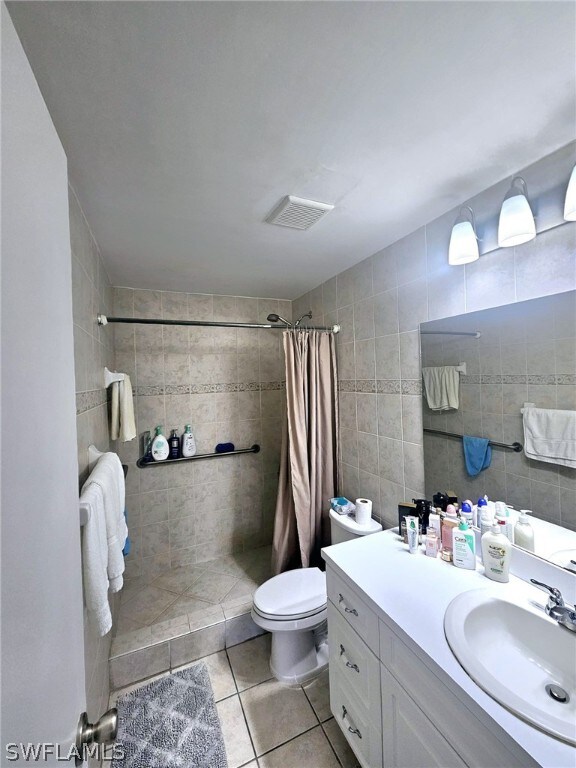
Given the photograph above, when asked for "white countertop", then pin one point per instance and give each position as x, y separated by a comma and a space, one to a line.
411, 593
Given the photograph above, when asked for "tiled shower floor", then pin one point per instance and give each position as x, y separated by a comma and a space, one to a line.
227, 581
185, 614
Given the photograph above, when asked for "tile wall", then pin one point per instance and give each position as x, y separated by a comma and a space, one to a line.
228, 384
526, 353
381, 302
93, 349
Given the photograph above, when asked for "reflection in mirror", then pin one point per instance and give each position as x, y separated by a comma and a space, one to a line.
508, 356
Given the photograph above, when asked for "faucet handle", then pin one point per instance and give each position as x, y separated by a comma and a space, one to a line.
555, 594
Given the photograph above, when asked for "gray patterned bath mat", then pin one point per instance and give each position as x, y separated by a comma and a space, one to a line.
171, 723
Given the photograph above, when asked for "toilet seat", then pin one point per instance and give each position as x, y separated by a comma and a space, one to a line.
292, 595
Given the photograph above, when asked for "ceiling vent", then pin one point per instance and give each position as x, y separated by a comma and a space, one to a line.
297, 213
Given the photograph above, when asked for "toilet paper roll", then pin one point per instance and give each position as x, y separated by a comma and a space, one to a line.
363, 511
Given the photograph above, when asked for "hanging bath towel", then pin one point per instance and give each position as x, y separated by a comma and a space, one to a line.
441, 387
477, 454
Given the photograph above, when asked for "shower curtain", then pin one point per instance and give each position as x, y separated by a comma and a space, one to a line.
309, 457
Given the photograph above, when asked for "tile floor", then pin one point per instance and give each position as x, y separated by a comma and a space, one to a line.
267, 724
227, 581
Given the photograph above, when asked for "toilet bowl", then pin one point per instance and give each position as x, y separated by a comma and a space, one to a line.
293, 607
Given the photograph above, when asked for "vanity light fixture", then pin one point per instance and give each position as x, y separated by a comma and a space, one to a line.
516, 224
463, 248
570, 202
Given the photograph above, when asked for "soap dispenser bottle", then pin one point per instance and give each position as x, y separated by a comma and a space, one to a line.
496, 554
188, 442
524, 532
160, 447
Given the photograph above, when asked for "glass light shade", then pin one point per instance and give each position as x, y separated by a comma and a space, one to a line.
516, 224
570, 203
463, 247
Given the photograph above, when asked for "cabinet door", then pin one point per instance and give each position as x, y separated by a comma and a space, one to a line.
409, 739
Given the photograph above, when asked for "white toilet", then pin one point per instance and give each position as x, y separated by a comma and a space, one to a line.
292, 606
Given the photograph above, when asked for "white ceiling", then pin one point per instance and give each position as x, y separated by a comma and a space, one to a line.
186, 122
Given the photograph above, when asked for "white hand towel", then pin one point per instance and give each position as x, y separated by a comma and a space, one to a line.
95, 561
550, 436
109, 476
122, 422
441, 387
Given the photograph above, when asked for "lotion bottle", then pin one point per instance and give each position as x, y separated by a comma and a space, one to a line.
523, 531
464, 547
449, 522
188, 442
496, 554
160, 447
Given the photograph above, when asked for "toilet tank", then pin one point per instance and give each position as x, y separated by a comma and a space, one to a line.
345, 528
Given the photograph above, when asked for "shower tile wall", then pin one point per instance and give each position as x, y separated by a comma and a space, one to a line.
380, 303
228, 384
526, 353
93, 349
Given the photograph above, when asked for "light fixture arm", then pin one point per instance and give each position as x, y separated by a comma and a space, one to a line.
471, 219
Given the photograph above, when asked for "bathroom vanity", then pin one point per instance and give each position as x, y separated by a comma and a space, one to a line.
397, 691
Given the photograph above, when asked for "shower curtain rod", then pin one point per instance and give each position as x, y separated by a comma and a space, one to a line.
474, 334
104, 320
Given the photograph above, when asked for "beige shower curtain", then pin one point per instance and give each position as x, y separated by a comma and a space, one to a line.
308, 462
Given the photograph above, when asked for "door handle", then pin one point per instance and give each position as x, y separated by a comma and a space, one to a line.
103, 731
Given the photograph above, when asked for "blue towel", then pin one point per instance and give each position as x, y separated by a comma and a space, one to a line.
127, 543
477, 454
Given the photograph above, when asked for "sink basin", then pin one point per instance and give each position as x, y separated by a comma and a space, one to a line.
513, 651
564, 558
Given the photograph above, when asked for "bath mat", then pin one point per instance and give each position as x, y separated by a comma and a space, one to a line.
171, 723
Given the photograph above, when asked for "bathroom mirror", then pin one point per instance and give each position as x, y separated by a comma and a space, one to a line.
510, 355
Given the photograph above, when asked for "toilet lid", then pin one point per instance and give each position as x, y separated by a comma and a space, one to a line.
293, 593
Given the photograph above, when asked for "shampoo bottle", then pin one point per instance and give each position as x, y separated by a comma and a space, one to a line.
174, 444
523, 532
496, 554
188, 442
464, 547
160, 448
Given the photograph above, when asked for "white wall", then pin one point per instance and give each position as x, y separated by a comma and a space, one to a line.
42, 641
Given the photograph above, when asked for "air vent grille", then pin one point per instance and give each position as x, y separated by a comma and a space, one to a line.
298, 213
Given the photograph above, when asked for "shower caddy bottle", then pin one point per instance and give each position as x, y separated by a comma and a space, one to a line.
188, 442
160, 448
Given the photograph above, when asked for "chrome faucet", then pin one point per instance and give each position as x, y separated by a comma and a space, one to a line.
556, 608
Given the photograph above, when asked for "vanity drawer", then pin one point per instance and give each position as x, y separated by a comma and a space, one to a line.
361, 727
353, 609
352, 663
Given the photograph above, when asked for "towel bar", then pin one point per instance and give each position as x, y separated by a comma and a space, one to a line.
111, 376
85, 512
516, 447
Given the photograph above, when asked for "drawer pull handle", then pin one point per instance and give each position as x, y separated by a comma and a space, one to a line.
355, 731
353, 611
348, 663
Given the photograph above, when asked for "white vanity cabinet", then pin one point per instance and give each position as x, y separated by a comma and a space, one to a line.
392, 707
